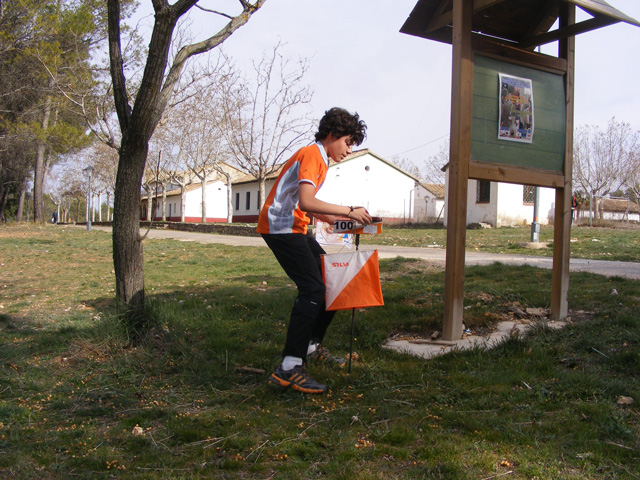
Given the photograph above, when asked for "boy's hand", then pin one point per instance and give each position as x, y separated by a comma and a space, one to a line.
360, 215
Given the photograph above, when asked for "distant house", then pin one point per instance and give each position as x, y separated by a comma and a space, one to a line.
434, 204
618, 209
387, 191
363, 178
246, 203
505, 204
216, 203
216, 198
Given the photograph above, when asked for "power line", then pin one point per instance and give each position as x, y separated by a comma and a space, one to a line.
420, 146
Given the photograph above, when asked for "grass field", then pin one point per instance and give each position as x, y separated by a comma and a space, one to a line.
596, 243
79, 400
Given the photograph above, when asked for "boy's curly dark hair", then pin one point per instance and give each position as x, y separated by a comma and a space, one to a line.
340, 123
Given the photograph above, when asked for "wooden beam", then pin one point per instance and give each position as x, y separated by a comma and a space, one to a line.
460, 153
438, 17
490, 47
562, 220
515, 55
567, 31
547, 15
514, 174
442, 18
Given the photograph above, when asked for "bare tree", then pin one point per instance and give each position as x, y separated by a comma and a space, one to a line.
67, 183
137, 124
204, 124
162, 147
432, 169
633, 172
407, 165
194, 129
172, 138
105, 161
182, 179
177, 170
269, 119
602, 157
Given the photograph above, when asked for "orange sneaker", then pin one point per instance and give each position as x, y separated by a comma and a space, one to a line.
297, 378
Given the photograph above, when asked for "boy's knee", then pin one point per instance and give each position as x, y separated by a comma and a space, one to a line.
314, 293
321, 290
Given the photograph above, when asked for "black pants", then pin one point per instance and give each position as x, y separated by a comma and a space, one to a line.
299, 256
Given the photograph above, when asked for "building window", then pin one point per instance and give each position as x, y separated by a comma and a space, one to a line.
528, 195
483, 191
248, 202
237, 201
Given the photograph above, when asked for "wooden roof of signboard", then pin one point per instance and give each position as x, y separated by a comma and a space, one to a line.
523, 24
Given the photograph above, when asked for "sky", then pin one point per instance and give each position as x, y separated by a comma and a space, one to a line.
400, 84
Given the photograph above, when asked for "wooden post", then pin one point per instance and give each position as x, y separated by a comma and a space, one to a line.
562, 219
460, 153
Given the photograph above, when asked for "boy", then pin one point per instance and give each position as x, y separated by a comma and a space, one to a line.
283, 224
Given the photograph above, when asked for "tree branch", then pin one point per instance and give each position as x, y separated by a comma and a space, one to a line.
201, 47
123, 108
214, 11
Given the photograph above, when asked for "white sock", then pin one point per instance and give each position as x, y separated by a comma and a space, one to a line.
289, 362
313, 346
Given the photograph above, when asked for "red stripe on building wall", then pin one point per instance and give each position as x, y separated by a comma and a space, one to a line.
245, 219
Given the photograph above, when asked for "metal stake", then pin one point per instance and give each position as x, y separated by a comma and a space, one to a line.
353, 316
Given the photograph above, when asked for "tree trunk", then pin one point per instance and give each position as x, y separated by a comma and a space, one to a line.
229, 199
38, 174
137, 125
183, 202
128, 256
23, 194
596, 208
149, 207
261, 191
164, 203
204, 198
3, 203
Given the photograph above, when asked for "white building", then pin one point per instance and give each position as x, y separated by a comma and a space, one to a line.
216, 202
216, 195
361, 179
505, 204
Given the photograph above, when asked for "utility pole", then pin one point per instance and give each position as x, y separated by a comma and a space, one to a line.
535, 225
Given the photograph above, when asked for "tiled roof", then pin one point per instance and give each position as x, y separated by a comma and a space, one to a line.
618, 205
436, 188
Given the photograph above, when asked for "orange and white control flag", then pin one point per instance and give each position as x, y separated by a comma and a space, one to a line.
352, 280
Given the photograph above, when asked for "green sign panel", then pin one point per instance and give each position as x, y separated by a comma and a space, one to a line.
518, 115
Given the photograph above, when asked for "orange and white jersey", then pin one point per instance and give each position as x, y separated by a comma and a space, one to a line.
281, 212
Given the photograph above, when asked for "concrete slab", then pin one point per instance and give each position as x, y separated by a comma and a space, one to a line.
427, 348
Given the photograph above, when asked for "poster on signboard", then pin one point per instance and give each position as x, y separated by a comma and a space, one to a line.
516, 109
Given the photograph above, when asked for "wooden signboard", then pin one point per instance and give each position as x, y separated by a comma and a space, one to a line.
546, 149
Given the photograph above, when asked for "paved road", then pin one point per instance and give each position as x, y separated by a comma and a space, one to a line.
435, 255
